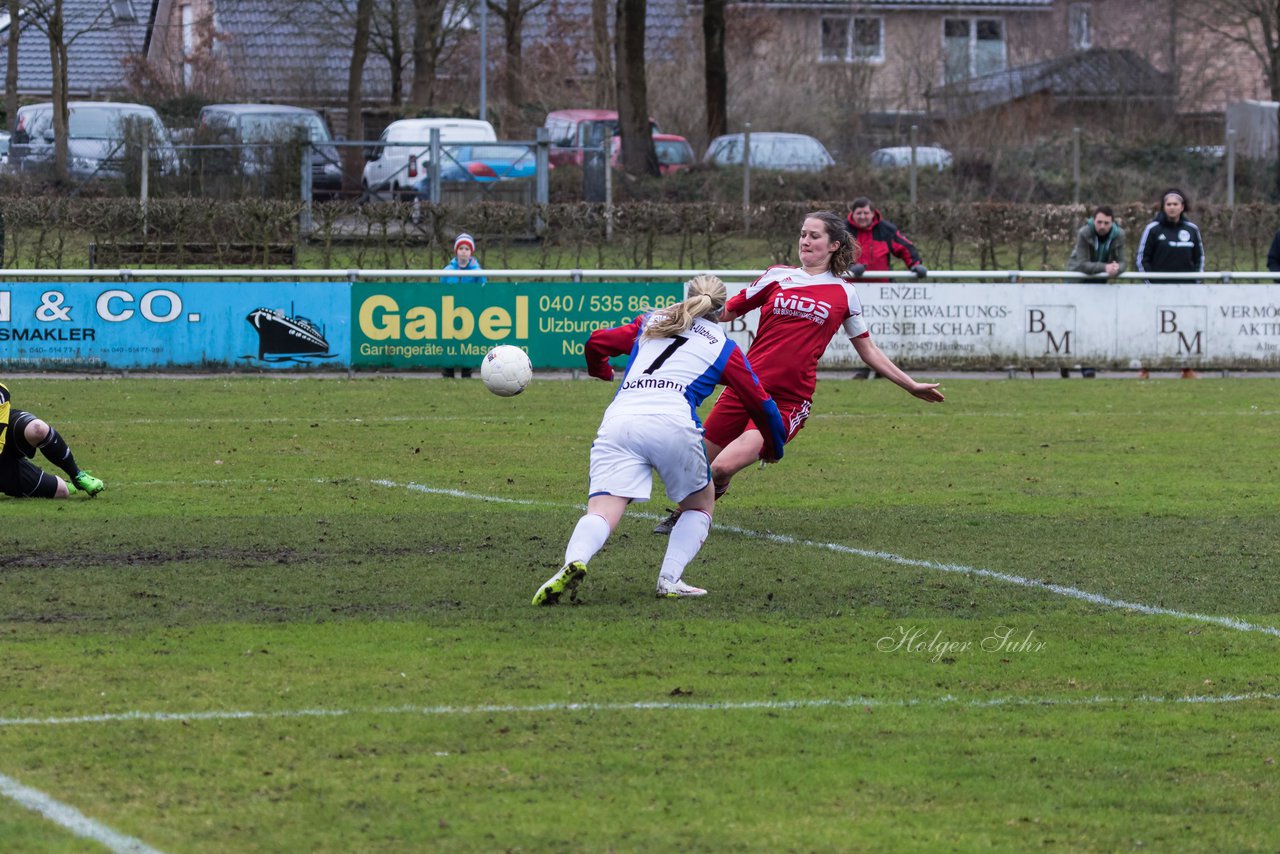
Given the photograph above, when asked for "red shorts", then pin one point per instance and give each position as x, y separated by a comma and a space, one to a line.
728, 418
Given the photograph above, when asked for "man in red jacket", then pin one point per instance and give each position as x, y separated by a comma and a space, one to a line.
880, 240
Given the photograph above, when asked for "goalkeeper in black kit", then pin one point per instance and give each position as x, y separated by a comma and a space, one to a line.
21, 435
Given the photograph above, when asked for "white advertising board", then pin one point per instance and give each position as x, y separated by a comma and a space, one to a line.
996, 325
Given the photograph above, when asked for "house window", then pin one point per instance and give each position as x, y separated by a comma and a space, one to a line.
852, 39
1080, 25
5, 20
972, 47
122, 11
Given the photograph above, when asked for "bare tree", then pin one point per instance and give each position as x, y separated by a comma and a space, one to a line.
47, 17
513, 14
1252, 24
388, 37
601, 51
351, 155
638, 155
11, 72
428, 34
716, 72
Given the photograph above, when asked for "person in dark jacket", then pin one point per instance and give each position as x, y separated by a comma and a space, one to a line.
1273, 255
880, 241
1171, 243
1099, 249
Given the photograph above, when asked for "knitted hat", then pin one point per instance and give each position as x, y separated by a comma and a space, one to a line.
467, 239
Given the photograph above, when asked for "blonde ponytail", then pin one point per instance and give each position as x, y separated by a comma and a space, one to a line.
706, 298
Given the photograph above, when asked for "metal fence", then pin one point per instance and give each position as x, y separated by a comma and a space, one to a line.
432, 170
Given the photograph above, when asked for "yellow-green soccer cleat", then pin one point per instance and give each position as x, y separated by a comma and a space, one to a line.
89, 484
564, 581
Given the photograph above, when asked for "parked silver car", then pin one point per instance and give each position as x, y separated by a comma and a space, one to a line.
100, 135
899, 156
786, 152
259, 129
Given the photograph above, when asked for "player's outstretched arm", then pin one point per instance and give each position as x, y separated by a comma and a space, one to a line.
875, 359
604, 344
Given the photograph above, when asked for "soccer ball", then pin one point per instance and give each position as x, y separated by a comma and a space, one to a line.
506, 370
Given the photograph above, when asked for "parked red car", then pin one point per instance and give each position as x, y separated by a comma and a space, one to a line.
573, 130
674, 152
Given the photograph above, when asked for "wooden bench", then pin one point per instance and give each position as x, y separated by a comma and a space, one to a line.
193, 254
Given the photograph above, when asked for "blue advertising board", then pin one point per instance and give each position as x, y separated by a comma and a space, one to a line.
208, 325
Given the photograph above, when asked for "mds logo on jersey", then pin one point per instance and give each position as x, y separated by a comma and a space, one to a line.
799, 305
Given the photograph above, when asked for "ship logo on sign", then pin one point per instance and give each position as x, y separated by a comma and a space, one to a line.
288, 337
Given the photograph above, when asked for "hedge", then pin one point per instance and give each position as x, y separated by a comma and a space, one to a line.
55, 232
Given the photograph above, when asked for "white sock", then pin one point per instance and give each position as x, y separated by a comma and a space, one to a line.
687, 537
588, 538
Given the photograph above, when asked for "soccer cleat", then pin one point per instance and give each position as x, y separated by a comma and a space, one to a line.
665, 526
564, 581
677, 590
89, 484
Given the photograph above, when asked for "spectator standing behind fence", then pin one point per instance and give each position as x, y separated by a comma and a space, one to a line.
1099, 249
879, 240
1273, 254
1171, 243
464, 258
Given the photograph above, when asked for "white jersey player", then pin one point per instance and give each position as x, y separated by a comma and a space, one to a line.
677, 357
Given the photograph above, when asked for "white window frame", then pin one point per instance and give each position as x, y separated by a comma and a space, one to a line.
1080, 26
6, 21
122, 12
974, 21
848, 54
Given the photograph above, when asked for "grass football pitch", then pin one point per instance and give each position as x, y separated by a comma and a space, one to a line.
1042, 615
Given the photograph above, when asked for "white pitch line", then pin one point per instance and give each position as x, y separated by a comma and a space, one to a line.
946, 700
71, 819
1007, 578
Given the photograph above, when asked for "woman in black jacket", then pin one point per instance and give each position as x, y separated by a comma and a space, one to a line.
1171, 243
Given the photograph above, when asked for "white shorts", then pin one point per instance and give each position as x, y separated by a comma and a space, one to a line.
627, 451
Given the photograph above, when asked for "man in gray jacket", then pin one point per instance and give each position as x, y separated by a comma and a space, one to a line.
1099, 249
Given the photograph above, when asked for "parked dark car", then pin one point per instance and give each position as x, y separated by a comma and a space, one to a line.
100, 136
263, 132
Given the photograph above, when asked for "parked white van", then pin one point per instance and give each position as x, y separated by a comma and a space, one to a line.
397, 161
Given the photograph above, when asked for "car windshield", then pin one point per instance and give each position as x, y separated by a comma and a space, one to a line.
273, 127
106, 123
